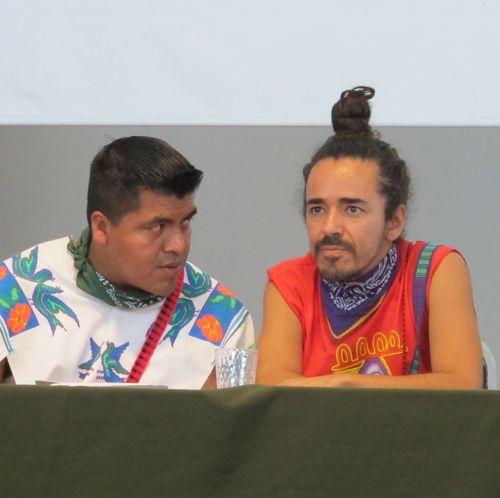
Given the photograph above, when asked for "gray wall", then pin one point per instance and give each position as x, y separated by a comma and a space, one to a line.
249, 202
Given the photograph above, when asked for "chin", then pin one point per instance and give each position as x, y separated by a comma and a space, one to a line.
336, 269
164, 290
337, 274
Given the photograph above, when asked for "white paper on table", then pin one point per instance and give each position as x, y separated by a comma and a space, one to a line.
96, 384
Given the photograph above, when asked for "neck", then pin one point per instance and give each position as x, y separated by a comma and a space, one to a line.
101, 263
364, 273
381, 254
362, 292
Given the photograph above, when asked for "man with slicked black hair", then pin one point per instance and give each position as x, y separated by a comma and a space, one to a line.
121, 303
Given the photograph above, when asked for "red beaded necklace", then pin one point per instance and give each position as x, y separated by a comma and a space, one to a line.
155, 332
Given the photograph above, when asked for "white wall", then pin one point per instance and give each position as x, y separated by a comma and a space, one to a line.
237, 62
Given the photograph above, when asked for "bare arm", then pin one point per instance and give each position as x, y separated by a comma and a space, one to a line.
211, 382
280, 343
453, 337
3, 364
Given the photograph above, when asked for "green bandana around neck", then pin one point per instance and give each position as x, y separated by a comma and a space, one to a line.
92, 282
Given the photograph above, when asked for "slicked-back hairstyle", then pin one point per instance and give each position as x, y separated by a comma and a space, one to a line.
130, 164
354, 138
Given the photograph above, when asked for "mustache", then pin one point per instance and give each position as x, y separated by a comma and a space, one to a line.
333, 240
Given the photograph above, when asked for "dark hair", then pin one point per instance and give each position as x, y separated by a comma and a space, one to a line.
354, 138
126, 165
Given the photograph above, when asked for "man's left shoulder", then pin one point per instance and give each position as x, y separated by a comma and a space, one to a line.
423, 249
425, 257
199, 281
221, 318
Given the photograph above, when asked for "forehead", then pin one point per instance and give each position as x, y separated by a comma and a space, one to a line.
345, 177
158, 205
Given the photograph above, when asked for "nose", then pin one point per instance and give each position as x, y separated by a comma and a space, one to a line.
332, 223
176, 241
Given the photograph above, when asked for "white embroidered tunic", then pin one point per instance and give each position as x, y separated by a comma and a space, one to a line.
51, 330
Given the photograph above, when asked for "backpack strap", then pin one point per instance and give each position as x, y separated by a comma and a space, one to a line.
420, 281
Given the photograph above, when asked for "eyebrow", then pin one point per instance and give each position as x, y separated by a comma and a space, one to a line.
315, 201
161, 219
352, 200
194, 212
343, 200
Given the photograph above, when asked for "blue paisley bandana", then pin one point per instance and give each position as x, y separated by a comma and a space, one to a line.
346, 303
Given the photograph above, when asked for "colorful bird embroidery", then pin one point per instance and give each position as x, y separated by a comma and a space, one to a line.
182, 315
197, 284
95, 352
25, 267
43, 295
111, 362
49, 305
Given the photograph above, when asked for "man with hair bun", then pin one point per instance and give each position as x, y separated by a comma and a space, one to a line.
121, 303
365, 300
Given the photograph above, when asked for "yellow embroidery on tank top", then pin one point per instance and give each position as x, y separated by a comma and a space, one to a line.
381, 346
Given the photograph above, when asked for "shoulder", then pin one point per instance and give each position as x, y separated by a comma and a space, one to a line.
451, 265
44, 269
295, 279
428, 255
420, 247
198, 282
52, 250
300, 267
24, 278
44, 244
215, 301
428, 262
52, 254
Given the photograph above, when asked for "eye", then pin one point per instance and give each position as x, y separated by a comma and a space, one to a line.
316, 210
353, 209
187, 222
157, 227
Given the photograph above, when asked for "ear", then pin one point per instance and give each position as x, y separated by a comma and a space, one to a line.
395, 226
100, 228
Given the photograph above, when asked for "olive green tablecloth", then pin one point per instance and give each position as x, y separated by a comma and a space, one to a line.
248, 442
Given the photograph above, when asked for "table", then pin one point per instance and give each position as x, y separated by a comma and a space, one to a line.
248, 442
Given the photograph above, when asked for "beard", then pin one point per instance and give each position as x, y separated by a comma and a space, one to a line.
333, 268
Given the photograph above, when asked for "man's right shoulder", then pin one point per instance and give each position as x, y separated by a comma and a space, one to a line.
48, 246
294, 277
301, 266
41, 263
295, 280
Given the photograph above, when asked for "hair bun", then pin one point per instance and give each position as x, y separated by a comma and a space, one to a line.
351, 113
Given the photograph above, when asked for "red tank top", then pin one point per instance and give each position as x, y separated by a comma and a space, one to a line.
391, 339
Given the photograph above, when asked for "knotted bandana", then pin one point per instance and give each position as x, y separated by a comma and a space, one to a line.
346, 303
92, 282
